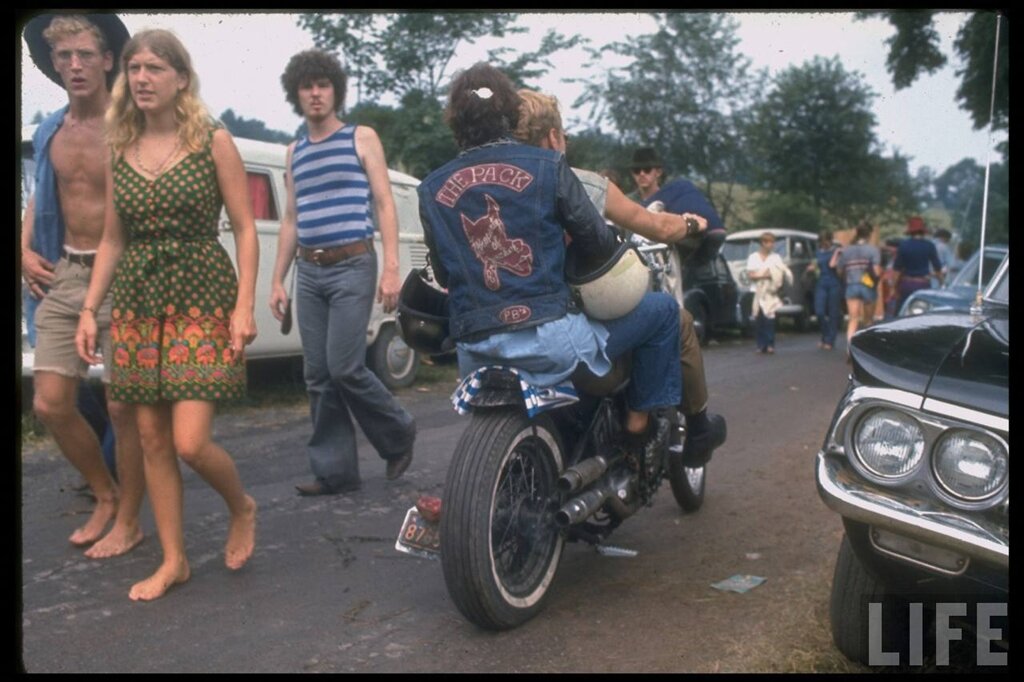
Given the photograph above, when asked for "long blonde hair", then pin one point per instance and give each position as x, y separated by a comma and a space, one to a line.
125, 122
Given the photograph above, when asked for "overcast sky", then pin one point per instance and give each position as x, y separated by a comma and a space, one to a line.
239, 59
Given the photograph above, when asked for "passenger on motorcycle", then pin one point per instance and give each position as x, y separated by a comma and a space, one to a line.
495, 220
540, 125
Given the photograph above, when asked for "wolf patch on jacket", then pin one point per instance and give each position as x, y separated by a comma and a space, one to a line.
492, 246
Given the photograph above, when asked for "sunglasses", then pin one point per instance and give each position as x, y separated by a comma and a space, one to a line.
646, 169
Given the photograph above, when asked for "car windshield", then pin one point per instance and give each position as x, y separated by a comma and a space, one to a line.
968, 275
740, 249
1000, 291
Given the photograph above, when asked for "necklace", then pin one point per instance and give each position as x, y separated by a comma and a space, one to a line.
160, 168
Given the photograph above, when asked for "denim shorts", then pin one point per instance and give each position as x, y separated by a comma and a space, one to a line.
858, 290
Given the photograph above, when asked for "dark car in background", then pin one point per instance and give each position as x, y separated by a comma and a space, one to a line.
916, 461
959, 292
712, 296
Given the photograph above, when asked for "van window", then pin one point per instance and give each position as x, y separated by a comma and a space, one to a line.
261, 194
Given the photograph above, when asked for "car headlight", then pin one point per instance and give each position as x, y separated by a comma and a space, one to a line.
889, 443
918, 306
969, 464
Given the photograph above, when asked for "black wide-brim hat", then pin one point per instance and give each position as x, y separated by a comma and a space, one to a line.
645, 157
114, 31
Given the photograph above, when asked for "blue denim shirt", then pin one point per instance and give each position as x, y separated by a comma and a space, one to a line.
48, 224
494, 219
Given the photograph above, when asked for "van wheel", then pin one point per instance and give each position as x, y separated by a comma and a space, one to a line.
393, 362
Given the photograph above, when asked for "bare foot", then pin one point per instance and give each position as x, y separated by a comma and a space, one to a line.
102, 513
241, 537
118, 541
156, 585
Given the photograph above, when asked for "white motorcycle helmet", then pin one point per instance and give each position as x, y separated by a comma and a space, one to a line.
611, 289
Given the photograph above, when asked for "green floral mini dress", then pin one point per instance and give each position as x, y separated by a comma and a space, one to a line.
174, 289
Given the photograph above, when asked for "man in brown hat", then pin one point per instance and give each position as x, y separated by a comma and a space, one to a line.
61, 229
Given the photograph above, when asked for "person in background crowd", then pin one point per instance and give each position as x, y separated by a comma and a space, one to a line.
913, 257
828, 291
945, 252
860, 265
767, 274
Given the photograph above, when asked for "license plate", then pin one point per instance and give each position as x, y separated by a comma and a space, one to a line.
419, 537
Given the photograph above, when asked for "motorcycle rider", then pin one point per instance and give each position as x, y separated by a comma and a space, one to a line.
540, 125
495, 220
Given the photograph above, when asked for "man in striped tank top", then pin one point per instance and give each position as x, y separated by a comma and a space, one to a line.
335, 174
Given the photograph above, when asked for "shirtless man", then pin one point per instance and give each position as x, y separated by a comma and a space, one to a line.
79, 54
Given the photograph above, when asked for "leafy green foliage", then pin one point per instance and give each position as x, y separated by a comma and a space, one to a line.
787, 210
976, 46
253, 129
681, 92
401, 53
813, 136
914, 50
961, 188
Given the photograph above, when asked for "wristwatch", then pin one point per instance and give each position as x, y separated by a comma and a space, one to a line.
692, 227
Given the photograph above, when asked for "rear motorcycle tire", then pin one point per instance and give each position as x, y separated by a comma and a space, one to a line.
688, 483
500, 546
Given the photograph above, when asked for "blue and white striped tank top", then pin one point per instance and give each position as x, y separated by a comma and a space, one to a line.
332, 193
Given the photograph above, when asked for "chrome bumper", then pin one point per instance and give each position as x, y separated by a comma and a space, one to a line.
850, 496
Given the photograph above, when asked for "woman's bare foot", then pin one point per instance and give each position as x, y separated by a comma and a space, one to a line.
118, 541
92, 531
241, 536
156, 585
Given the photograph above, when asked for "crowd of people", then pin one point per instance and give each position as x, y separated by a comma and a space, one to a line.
122, 265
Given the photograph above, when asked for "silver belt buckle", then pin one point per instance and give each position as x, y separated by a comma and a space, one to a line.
317, 253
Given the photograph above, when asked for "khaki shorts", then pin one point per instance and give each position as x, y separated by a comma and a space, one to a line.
57, 322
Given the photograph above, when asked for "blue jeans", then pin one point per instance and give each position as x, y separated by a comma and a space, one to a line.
827, 297
765, 331
651, 332
334, 305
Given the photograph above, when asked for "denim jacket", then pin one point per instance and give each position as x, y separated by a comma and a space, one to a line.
48, 224
494, 219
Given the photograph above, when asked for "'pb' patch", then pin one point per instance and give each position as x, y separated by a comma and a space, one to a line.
492, 246
515, 313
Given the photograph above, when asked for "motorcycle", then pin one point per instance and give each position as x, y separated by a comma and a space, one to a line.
534, 469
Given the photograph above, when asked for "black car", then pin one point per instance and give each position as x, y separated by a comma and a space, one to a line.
916, 461
712, 297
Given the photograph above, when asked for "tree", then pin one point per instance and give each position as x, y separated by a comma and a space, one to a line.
253, 129
813, 135
596, 150
400, 53
684, 92
414, 134
913, 50
961, 189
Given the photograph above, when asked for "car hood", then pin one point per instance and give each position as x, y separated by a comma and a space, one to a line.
953, 357
955, 298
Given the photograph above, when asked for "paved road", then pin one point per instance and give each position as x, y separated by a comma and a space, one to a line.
326, 591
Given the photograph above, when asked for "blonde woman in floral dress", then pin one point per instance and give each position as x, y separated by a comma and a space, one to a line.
181, 318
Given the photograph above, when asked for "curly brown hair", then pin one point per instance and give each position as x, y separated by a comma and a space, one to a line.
483, 106
311, 65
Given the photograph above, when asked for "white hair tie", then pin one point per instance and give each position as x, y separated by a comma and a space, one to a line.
483, 93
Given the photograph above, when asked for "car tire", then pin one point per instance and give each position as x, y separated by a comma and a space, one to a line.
700, 323
854, 588
394, 363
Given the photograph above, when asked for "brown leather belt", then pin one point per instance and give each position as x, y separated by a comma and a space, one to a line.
86, 259
333, 254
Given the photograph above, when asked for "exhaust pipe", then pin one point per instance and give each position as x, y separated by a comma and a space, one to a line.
582, 474
580, 508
